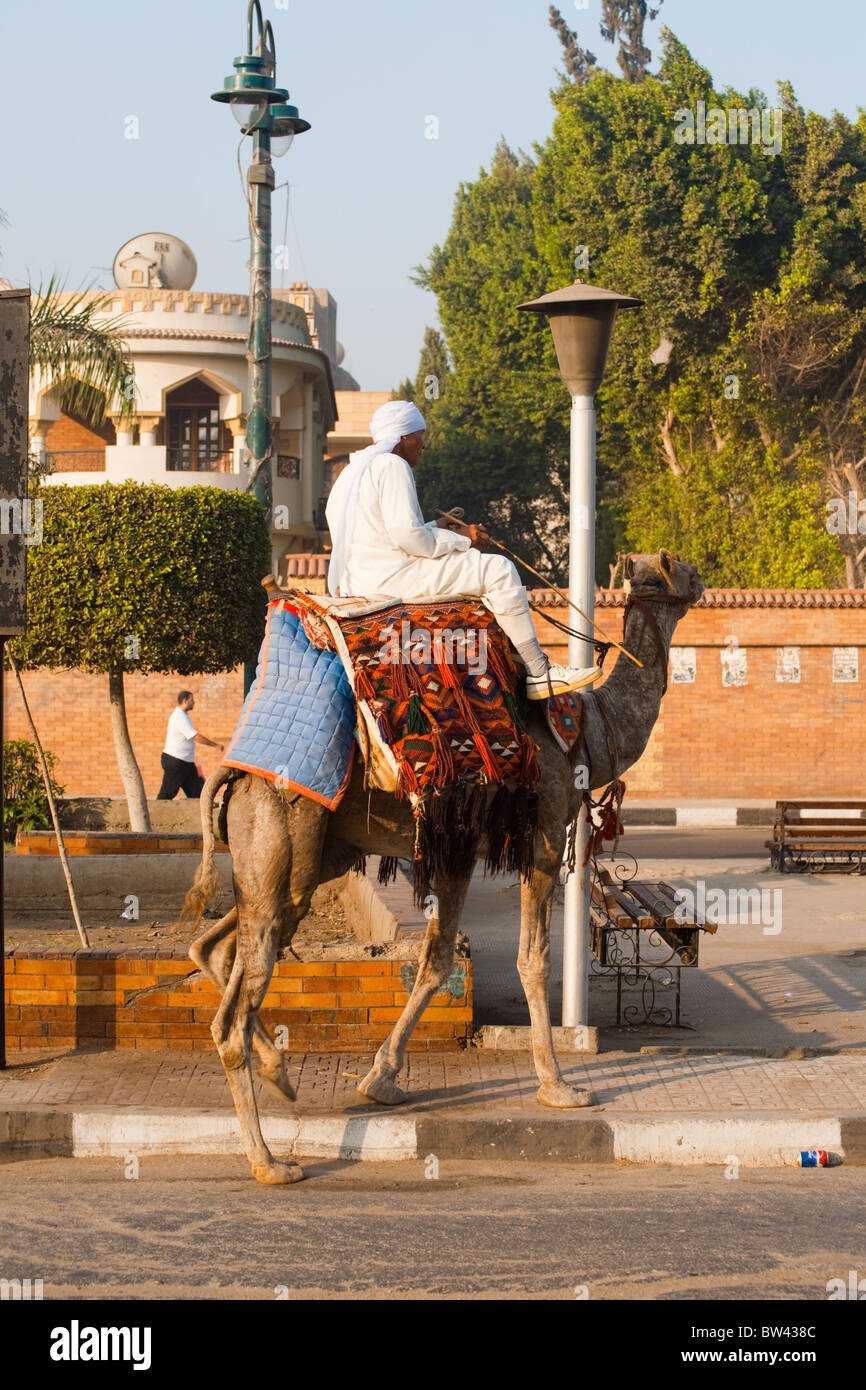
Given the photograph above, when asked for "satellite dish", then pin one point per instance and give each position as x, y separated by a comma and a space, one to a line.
340, 355
156, 261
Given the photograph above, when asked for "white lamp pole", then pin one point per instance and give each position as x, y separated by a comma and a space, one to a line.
581, 320
581, 591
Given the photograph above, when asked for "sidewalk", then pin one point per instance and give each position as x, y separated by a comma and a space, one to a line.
686, 1109
741, 1079
800, 987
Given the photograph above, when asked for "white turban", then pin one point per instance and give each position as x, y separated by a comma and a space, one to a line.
389, 425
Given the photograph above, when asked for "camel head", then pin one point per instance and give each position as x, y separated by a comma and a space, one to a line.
663, 576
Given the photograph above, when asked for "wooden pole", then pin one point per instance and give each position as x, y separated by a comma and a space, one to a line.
46, 777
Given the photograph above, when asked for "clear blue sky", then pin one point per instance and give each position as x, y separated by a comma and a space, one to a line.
370, 194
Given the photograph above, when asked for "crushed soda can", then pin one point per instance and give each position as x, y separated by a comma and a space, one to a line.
817, 1158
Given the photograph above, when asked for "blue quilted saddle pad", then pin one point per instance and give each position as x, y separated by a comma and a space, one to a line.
297, 725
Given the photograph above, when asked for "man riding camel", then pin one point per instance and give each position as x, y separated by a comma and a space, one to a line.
383, 548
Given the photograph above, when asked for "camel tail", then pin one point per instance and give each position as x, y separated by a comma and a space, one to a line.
207, 878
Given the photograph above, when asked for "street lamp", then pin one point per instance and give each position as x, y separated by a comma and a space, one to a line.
261, 109
581, 320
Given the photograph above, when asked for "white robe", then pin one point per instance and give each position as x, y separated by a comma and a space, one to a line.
393, 553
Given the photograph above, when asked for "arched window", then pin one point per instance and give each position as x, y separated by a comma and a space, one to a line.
198, 441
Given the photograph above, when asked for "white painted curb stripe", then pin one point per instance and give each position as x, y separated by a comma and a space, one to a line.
707, 815
754, 1141
374, 1137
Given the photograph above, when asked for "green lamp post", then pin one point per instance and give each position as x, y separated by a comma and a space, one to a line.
261, 109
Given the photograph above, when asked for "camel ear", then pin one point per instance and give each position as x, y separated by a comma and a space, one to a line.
667, 560
629, 567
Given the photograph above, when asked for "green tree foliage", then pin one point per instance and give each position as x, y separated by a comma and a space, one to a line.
625, 20
431, 379
497, 436
734, 402
25, 803
145, 578
73, 344
579, 62
179, 569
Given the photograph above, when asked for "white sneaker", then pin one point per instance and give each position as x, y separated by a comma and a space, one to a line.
559, 680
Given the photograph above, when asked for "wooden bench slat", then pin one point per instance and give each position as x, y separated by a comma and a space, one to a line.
822, 820
831, 832
608, 895
646, 893
822, 805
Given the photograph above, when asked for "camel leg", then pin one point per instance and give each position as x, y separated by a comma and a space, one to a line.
232, 1033
214, 954
276, 857
434, 967
533, 964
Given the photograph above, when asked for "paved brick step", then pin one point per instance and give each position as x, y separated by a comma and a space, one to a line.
86, 842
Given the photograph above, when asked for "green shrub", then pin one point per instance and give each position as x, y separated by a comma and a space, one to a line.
25, 805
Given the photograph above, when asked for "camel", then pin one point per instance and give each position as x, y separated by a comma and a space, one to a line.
284, 845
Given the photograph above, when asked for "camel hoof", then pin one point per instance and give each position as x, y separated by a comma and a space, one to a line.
382, 1089
561, 1097
275, 1174
278, 1083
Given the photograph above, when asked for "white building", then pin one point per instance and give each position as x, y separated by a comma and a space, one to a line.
189, 351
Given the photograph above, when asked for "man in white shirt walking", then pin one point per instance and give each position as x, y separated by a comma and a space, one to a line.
179, 772
383, 548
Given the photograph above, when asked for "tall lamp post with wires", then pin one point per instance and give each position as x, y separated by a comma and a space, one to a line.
261, 109
581, 320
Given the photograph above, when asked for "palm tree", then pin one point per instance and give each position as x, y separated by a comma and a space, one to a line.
73, 344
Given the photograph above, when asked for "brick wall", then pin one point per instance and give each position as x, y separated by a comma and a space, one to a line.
81, 446
764, 739
72, 714
94, 1000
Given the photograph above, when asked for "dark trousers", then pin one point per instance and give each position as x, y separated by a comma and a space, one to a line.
178, 776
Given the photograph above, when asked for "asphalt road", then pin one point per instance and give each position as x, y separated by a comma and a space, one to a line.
668, 842
199, 1228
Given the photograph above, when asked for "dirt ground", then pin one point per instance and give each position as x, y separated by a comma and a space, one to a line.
321, 934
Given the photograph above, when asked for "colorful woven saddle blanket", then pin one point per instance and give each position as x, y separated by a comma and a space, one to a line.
431, 694
436, 689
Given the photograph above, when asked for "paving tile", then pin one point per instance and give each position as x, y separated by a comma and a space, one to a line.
474, 1081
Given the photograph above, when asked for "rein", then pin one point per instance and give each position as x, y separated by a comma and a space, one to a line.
610, 802
651, 622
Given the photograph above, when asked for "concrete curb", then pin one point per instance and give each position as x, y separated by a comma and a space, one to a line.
698, 817
516, 1038
762, 1140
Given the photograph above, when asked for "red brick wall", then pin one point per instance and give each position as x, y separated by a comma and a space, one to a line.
92, 1000
766, 739
72, 714
762, 740
82, 446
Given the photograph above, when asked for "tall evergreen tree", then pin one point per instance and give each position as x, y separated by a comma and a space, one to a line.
625, 20
579, 62
734, 406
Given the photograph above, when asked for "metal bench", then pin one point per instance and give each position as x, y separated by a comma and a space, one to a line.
808, 843
638, 935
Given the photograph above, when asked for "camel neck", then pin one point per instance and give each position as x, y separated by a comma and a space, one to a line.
632, 694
